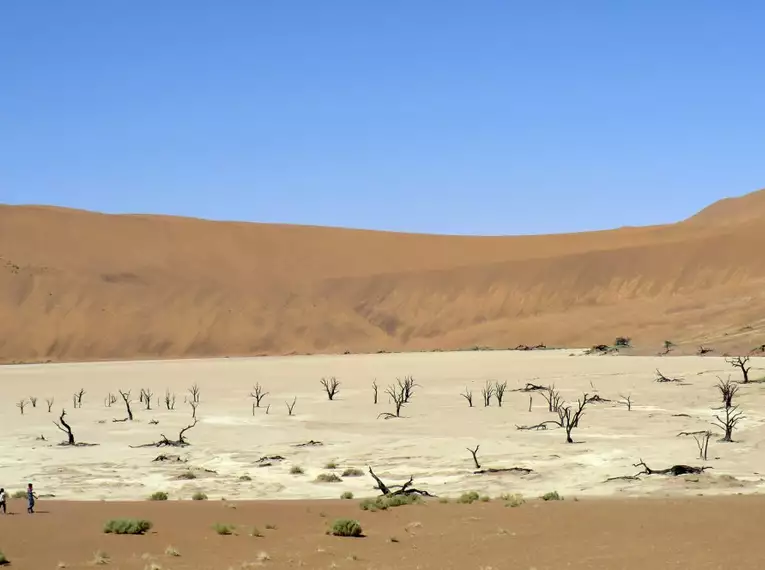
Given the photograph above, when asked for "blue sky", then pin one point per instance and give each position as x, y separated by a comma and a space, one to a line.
448, 116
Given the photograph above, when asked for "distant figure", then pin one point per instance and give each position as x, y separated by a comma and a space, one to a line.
2, 500
30, 499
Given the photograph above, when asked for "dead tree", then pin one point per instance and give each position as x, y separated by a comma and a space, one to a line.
331, 386
375, 389
21, 404
65, 427
49, 403
727, 390
126, 399
626, 401
703, 350
569, 418
486, 393
291, 406
741, 363
169, 399
164, 442
405, 489
732, 416
702, 442
109, 400
675, 470
258, 394
662, 379
408, 386
499, 391
33, 401
553, 398
669, 346
78, 398
397, 395
146, 395
474, 453
468, 395
194, 392
193, 405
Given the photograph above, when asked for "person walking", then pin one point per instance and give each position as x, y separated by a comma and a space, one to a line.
30, 499
2, 501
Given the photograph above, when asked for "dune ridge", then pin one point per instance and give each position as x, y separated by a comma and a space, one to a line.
78, 285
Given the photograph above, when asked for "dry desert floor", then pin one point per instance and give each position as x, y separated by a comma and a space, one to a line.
600, 524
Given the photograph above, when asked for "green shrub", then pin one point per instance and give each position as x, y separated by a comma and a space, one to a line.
127, 526
158, 496
3, 559
353, 472
328, 478
551, 496
485, 498
384, 502
331, 465
19, 495
296, 470
512, 499
187, 475
224, 529
346, 527
468, 498
347, 495
199, 496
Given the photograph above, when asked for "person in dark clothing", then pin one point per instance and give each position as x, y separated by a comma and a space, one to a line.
31, 499
2, 501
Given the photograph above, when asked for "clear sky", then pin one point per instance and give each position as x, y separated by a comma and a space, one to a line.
448, 116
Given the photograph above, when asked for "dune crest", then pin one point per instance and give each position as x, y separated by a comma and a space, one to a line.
77, 285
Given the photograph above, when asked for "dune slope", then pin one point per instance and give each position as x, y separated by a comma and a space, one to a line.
77, 285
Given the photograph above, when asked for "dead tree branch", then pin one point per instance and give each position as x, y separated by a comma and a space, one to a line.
258, 393
675, 470
194, 404
703, 351
732, 416
291, 406
486, 394
569, 418
21, 404
468, 395
169, 399
499, 391
529, 387
661, 378
33, 401
49, 403
727, 390
553, 398
331, 386
741, 363
669, 346
474, 453
78, 398
65, 427
146, 395
397, 395
194, 392
109, 400
407, 387
164, 442
405, 489
626, 401
126, 399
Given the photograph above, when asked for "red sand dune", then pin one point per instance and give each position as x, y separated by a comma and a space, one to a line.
78, 285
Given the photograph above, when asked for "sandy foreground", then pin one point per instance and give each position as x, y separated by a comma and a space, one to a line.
598, 525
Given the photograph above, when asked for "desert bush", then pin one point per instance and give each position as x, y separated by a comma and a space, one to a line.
346, 527
327, 478
224, 529
255, 532
331, 465
19, 495
551, 496
199, 496
353, 472
296, 470
444, 500
512, 499
3, 560
485, 498
390, 501
158, 496
468, 498
127, 526
347, 495
187, 475
245, 478
270, 526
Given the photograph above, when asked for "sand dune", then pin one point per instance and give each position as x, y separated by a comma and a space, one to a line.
78, 285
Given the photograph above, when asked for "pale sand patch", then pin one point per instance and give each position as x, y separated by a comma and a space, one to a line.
428, 443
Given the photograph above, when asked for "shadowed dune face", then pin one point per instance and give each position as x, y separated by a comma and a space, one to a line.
78, 285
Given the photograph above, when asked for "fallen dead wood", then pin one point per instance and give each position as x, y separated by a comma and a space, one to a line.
269, 460
165, 457
675, 470
164, 442
529, 387
405, 489
493, 470
537, 427
310, 443
596, 398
